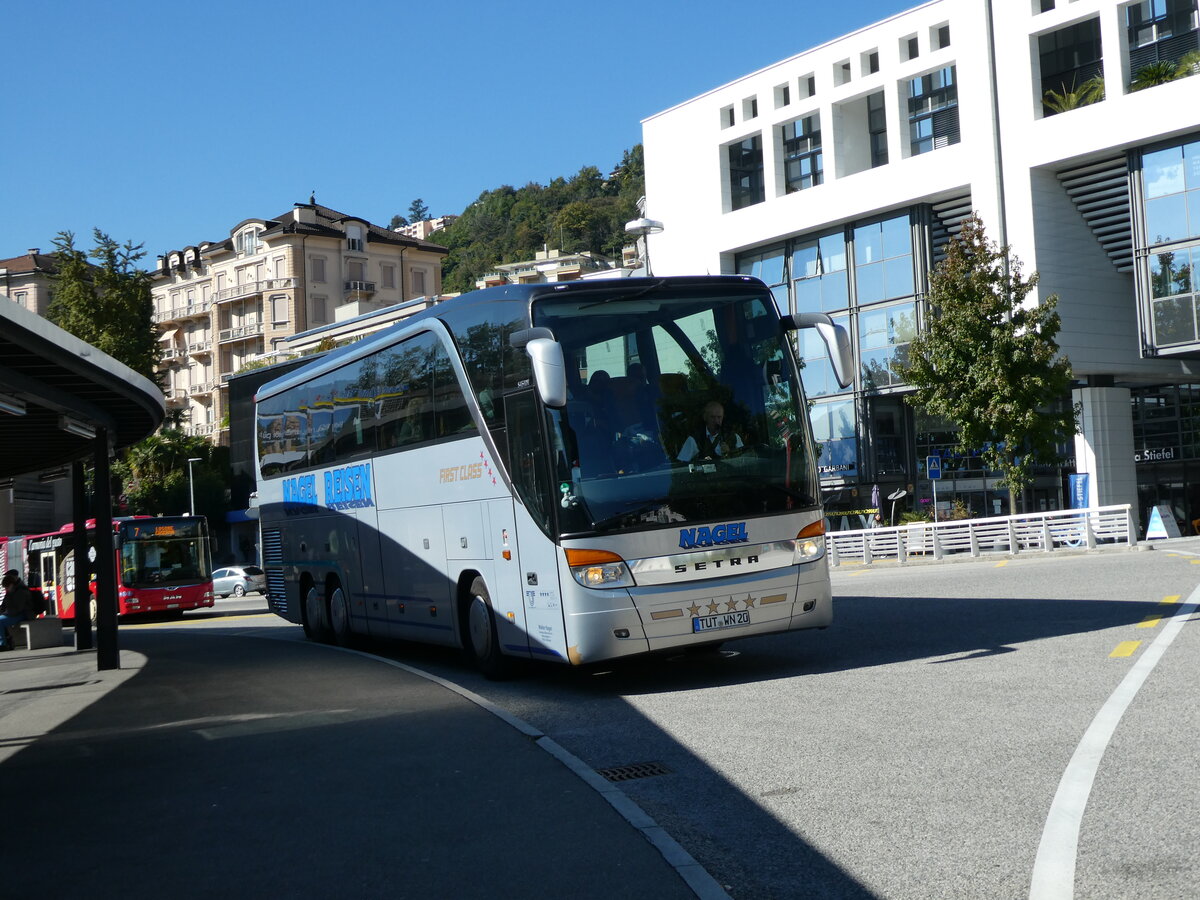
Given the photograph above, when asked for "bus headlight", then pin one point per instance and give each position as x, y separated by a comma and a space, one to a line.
810, 542
599, 569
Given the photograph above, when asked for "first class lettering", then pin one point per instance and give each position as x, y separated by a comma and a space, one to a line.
461, 473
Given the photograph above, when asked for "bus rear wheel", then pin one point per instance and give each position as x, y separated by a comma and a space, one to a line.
339, 617
316, 619
483, 639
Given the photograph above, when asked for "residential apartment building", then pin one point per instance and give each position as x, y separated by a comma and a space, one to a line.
552, 265
27, 280
838, 176
426, 227
220, 305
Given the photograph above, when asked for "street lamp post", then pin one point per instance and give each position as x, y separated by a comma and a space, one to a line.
192, 486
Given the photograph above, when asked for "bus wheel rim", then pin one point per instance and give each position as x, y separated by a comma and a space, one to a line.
339, 614
314, 608
480, 626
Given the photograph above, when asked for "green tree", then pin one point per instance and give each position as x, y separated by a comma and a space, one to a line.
418, 211
989, 363
108, 304
154, 475
398, 221
1074, 97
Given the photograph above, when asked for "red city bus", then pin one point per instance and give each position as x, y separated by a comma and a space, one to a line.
163, 565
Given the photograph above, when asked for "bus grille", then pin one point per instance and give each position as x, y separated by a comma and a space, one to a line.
276, 591
272, 548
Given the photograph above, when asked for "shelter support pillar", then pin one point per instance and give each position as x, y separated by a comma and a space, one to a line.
108, 654
79, 560
1104, 445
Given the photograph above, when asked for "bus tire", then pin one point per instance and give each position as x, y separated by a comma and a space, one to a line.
339, 616
483, 639
316, 616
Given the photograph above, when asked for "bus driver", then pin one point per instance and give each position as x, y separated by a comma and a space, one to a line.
712, 441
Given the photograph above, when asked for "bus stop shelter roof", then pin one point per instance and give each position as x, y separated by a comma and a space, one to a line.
66, 388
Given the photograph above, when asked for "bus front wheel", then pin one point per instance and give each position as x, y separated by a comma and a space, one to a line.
483, 640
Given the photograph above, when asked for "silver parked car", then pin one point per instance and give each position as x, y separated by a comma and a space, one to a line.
239, 581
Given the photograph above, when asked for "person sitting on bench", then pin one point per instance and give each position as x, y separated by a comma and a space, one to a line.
14, 608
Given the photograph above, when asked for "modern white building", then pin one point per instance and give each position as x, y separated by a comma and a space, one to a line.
838, 175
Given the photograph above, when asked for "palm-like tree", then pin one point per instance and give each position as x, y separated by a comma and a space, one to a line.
1158, 73
1074, 97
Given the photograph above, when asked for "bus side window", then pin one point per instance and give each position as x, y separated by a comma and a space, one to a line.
526, 458
453, 417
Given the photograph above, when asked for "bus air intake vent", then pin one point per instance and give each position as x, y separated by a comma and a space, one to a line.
272, 548
634, 771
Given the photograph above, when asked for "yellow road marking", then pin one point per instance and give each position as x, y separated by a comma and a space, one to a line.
1150, 621
1170, 598
1194, 562
999, 564
1125, 648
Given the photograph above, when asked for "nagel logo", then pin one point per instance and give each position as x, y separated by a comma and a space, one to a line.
730, 533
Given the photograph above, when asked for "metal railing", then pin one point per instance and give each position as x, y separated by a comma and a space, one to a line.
1030, 532
240, 332
253, 287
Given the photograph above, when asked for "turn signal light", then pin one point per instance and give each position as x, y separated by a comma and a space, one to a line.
598, 568
810, 542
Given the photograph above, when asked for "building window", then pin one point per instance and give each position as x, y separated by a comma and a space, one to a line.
941, 37
883, 263
768, 267
871, 62
279, 309
247, 242
877, 128
418, 282
750, 108
354, 237
802, 153
1171, 180
783, 96
1173, 296
356, 270
909, 48
884, 333
834, 427
317, 268
1153, 22
819, 274
746, 182
387, 275
1072, 65
318, 310
933, 111
727, 117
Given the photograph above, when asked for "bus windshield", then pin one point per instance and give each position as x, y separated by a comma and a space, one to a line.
162, 552
684, 405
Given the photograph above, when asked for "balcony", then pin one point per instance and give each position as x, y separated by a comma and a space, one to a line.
198, 347
171, 353
359, 290
201, 387
175, 396
202, 430
240, 332
251, 288
176, 313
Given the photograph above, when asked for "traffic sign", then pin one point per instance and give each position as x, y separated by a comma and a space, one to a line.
933, 467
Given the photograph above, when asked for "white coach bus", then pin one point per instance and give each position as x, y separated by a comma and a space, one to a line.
570, 472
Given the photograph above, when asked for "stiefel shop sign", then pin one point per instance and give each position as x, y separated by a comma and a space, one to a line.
1157, 454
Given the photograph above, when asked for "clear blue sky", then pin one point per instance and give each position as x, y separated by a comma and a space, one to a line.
167, 123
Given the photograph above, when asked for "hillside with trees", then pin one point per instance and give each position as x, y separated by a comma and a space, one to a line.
584, 212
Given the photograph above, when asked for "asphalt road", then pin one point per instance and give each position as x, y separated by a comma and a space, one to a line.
916, 748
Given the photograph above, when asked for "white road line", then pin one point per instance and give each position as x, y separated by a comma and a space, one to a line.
1054, 869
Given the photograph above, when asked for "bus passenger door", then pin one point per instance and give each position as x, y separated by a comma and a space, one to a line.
537, 562
48, 571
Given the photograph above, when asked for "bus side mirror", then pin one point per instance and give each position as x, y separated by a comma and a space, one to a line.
836, 338
549, 368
